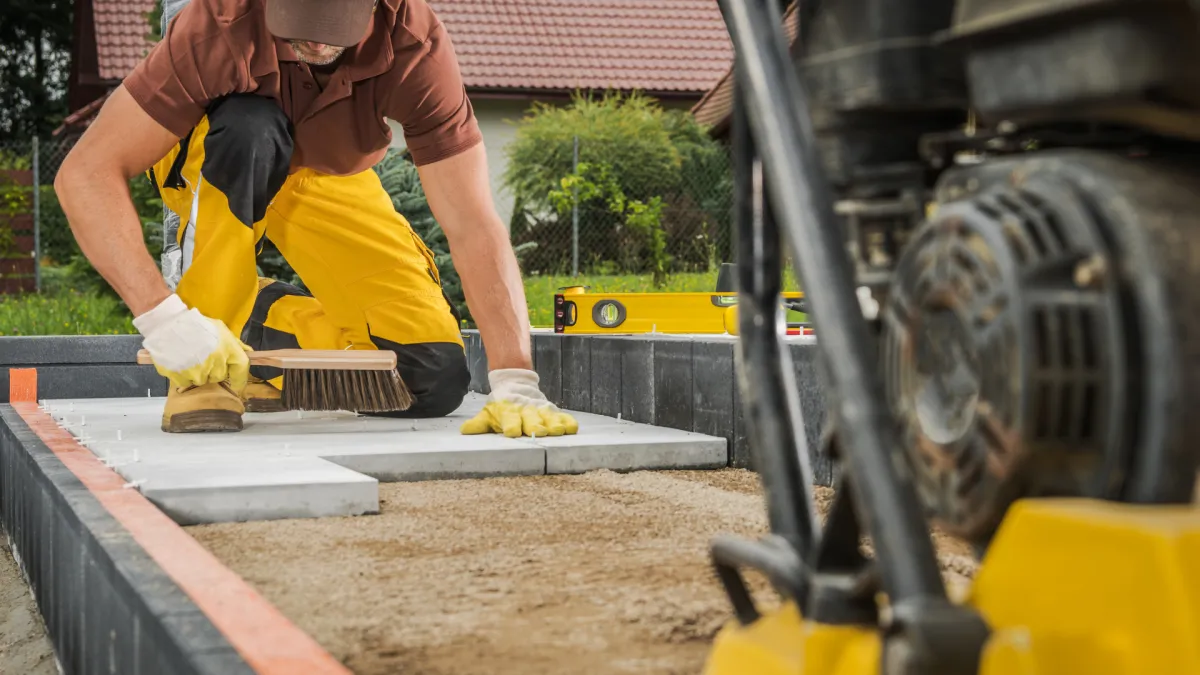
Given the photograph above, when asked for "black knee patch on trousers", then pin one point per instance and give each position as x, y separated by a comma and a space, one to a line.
435, 372
247, 152
259, 336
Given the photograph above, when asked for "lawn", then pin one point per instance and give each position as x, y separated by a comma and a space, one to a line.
65, 312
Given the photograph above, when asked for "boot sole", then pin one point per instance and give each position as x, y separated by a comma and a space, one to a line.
203, 421
264, 405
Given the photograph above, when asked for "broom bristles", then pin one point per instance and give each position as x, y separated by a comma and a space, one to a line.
372, 391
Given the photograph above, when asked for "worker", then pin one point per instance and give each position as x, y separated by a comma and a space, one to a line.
263, 118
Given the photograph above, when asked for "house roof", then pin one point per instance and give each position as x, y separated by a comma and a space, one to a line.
662, 46
121, 30
716, 106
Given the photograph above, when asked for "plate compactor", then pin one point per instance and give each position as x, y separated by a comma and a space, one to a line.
1015, 187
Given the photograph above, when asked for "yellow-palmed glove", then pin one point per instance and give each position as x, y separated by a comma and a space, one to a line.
516, 407
190, 349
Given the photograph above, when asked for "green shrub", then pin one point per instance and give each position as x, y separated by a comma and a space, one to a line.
60, 247
650, 152
15, 202
592, 184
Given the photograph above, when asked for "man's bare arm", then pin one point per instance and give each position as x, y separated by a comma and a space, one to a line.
93, 189
461, 200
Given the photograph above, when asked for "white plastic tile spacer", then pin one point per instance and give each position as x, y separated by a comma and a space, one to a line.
134, 484
118, 434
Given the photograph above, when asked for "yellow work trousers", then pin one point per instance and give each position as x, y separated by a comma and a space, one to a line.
372, 283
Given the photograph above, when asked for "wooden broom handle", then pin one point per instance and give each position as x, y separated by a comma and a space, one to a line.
313, 359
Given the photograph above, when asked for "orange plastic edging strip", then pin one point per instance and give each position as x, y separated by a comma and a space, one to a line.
268, 642
22, 385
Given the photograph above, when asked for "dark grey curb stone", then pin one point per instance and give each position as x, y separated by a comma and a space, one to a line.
69, 349
92, 366
107, 606
681, 382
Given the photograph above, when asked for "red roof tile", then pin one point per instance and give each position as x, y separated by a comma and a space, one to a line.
659, 45
651, 45
121, 30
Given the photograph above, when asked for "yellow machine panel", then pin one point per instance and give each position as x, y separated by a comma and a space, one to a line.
1069, 586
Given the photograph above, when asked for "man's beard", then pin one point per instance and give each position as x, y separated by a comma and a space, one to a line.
298, 47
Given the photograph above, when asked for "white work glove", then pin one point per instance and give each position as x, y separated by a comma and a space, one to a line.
517, 407
191, 349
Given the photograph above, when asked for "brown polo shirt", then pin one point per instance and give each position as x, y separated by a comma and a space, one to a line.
404, 69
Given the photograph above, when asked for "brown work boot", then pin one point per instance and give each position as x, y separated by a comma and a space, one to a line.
262, 397
209, 407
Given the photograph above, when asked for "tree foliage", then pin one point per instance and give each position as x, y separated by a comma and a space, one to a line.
631, 134
35, 54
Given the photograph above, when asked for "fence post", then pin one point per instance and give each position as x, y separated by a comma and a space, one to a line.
37, 218
575, 214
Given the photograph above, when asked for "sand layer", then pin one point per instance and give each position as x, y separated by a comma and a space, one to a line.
24, 647
596, 573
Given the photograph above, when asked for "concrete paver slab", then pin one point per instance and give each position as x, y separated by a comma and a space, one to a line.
634, 447
293, 465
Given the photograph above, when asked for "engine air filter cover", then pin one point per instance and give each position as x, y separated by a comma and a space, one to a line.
1003, 353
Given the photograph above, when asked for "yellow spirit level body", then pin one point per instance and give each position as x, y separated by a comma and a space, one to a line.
579, 312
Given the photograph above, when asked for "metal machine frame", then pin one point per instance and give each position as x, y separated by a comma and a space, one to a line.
841, 612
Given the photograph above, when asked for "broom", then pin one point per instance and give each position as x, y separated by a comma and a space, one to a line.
333, 379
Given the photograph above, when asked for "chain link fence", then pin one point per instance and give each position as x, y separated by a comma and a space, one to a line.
32, 226
617, 214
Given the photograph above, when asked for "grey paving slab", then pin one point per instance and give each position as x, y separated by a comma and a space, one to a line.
625, 446
296, 465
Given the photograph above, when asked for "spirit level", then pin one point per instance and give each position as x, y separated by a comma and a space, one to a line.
579, 312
